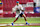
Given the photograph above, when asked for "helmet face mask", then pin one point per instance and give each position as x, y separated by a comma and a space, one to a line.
17, 3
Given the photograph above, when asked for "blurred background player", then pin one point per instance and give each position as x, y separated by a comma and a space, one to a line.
34, 5
19, 12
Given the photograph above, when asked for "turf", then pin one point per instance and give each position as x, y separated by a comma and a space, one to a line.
20, 20
19, 26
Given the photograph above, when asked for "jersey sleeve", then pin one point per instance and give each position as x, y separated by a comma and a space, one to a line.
13, 9
21, 8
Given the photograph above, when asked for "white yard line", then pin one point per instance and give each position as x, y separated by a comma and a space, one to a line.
19, 24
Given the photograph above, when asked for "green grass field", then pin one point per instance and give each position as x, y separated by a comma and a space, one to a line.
19, 26
20, 20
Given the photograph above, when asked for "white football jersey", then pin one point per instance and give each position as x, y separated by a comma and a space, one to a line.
19, 8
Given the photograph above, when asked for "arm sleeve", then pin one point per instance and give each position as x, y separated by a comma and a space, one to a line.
13, 9
21, 8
